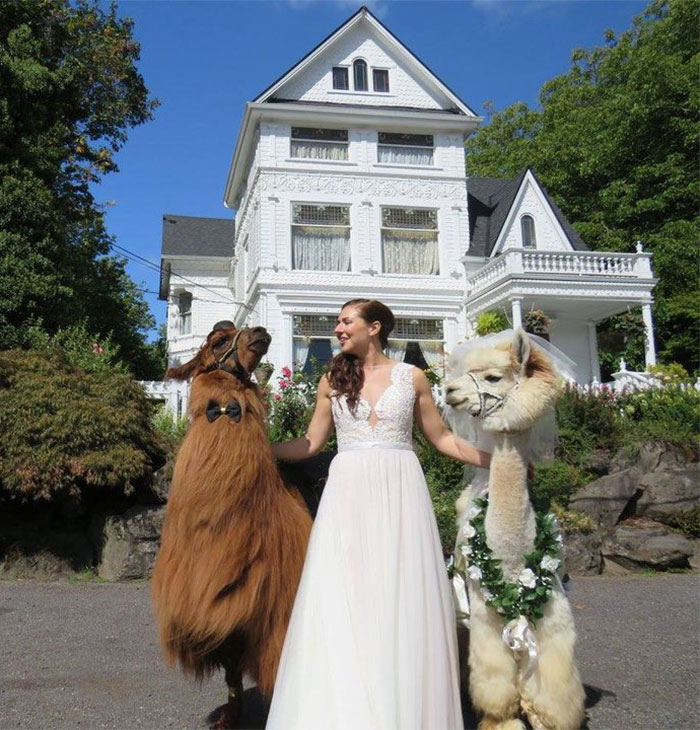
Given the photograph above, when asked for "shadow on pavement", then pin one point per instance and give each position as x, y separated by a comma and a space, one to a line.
253, 716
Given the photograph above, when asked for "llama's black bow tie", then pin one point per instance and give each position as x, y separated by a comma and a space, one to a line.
232, 410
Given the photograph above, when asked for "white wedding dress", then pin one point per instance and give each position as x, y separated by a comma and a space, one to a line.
371, 643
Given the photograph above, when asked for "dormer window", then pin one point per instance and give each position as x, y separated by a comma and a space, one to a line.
380, 80
527, 227
359, 74
340, 78
405, 149
319, 144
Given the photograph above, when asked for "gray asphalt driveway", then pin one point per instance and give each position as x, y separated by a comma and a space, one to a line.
85, 656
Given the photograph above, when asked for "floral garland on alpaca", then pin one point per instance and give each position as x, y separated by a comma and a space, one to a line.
529, 595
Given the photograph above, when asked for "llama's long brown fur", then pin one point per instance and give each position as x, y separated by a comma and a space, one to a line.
233, 542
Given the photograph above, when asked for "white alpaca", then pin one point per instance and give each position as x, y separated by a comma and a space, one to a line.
510, 386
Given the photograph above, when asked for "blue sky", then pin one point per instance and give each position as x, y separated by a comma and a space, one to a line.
203, 59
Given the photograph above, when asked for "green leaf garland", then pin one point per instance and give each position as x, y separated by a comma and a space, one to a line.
530, 594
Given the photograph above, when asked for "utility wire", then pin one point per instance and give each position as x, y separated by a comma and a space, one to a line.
147, 263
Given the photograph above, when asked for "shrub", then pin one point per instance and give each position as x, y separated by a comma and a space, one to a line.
572, 521
553, 484
669, 415
687, 522
672, 373
291, 405
172, 430
444, 477
492, 321
586, 421
71, 433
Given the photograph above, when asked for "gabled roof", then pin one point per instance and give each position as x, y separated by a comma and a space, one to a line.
185, 235
490, 201
364, 15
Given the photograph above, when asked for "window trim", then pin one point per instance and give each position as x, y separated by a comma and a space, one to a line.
533, 241
355, 65
374, 83
347, 78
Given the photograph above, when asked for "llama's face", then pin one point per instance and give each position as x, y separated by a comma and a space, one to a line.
489, 377
251, 343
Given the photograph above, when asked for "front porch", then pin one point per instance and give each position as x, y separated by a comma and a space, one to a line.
576, 289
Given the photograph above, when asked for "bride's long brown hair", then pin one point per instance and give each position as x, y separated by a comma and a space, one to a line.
345, 372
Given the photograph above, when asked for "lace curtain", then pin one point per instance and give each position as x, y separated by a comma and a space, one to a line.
321, 249
405, 155
319, 150
410, 252
396, 350
300, 352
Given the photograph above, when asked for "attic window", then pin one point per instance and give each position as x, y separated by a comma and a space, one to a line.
527, 227
319, 144
340, 78
359, 73
405, 149
380, 80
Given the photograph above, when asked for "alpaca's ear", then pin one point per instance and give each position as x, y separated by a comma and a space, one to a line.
185, 371
521, 348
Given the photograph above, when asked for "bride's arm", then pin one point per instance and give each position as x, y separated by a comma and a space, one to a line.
433, 427
317, 434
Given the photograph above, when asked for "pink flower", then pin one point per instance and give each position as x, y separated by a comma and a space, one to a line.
278, 396
286, 372
284, 384
97, 349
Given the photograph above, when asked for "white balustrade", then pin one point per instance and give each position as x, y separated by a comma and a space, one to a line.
567, 263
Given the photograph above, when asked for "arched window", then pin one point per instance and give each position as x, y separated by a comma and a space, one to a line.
184, 313
527, 226
359, 73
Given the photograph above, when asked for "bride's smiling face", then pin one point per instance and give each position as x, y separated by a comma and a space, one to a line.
353, 332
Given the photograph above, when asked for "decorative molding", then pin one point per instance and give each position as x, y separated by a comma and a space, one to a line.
385, 187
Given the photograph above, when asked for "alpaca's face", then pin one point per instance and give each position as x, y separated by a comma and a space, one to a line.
491, 371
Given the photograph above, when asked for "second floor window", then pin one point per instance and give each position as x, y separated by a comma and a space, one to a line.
184, 313
321, 237
527, 227
405, 149
340, 78
359, 73
410, 241
319, 144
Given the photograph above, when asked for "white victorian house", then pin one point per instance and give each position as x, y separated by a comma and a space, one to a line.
348, 180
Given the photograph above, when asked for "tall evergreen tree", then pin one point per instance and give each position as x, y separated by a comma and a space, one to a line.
614, 140
69, 92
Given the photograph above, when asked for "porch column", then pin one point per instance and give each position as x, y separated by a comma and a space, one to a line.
593, 351
516, 313
649, 347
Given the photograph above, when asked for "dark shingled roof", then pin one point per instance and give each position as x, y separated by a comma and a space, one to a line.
185, 235
366, 107
490, 200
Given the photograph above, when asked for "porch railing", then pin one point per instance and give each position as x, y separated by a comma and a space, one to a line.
525, 262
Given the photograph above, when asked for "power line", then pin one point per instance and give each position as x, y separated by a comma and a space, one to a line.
147, 263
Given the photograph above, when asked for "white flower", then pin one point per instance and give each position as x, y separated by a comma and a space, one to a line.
486, 593
474, 511
527, 578
474, 572
549, 563
560, 540
468, 530
466, 549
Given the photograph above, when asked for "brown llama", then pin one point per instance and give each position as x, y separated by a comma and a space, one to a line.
234, 536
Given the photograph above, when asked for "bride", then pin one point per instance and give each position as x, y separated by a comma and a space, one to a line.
372, 642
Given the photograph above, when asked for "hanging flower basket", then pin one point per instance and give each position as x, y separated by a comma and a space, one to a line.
263, 373
537, 322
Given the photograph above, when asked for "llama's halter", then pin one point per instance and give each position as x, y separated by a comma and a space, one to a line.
239, 370
498, 400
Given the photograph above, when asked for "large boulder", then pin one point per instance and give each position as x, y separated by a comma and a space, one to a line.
639, 543
45, 554
129, 543
582, 554
605, 499
672, 486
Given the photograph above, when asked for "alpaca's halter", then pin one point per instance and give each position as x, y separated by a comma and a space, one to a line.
498, 400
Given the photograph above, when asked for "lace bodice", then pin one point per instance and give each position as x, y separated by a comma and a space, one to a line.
394, 412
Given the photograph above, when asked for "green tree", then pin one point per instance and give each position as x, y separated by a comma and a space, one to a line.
69, 92
614, 141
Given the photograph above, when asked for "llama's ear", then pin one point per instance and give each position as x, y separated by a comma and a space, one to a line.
184, 371
521, 347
